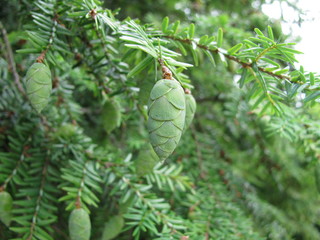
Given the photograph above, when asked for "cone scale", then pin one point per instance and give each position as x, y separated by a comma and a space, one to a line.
79, 225
191, 106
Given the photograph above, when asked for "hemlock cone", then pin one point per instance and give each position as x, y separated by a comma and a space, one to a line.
5, 208
111, 115
166, 111
79, 225
39, 85
113, 227
146, 161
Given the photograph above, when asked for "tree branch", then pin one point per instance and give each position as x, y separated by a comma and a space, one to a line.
10, 59
39, 199
233, 58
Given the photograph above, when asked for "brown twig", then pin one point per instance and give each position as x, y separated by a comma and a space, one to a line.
42, 56
10, 58
233, 58
166, 73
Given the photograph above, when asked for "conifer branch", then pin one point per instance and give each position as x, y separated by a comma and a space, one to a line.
11, 62
233, 58
97, 172
158, 213
14, 171
42, 56
79, 193
40, 196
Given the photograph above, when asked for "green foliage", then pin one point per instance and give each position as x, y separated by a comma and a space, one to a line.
246, 168
144, 92
66, 131
317, 176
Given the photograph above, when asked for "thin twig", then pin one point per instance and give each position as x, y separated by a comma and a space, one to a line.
22, 157
42, 56
166, 73
40, 196
233, 58
82, 185
10, 58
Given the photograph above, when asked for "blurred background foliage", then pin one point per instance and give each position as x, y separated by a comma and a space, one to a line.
250, 181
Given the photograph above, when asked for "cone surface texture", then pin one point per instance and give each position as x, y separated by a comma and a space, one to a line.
79, 225
38, 85
191, 106
166, 111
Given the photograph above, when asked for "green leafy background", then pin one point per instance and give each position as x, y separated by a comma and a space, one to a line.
245, 169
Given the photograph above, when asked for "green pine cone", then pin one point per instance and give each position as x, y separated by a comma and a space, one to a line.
79, 225
39, 85
146, 161
5, 208
111, 115
166, 111
113, 227
317, 175
191, 107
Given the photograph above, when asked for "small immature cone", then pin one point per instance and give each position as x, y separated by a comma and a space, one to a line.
79, 225
5, 208
166, 111
113, 227
111, 115
38, 85
146, 161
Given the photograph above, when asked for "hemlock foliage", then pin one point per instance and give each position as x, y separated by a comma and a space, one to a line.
246, 168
